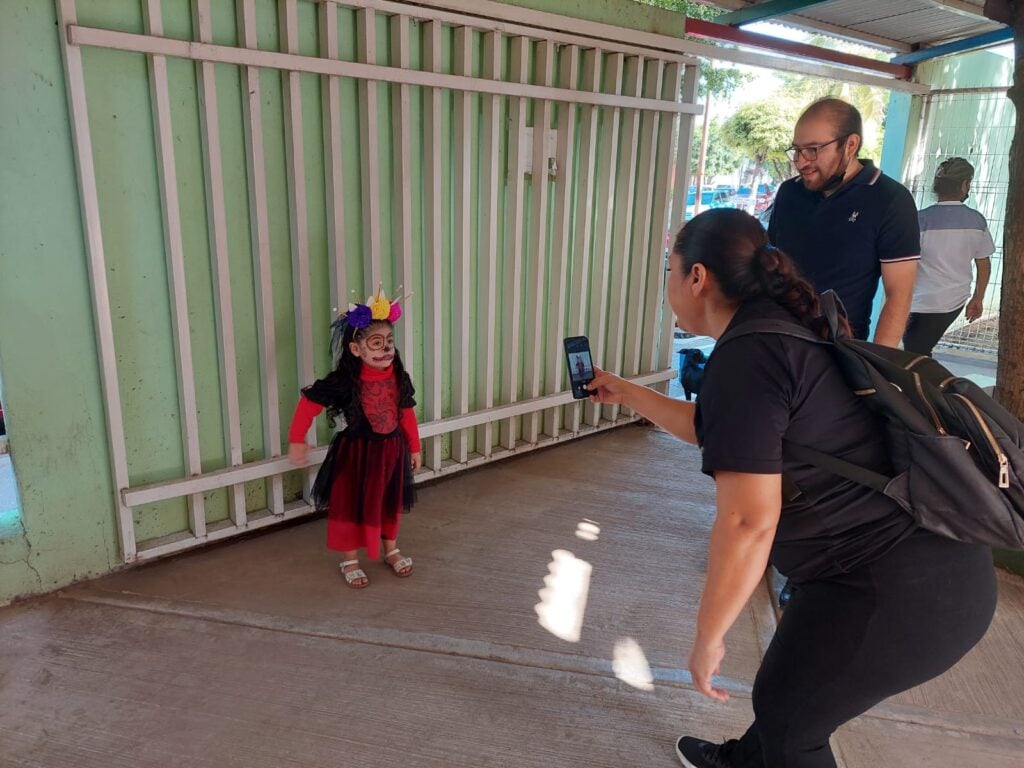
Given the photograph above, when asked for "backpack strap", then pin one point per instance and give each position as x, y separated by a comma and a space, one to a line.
775, 327
858, 474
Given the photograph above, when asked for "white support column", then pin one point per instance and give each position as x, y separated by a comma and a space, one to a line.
605, 200
213, 175
369, 126
678, 212
295, 155
565, 160
433, 277
537, 252
464, 138
667, 141
583, 241
89, 203
333, 167
642, 271
512, 284
402, 187
259, 230
623, 270
487, 276
175, 257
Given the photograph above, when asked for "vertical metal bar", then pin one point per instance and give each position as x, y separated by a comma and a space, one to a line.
334, 169
582, 244
89, 204
464, 205
295, 155
643, 271
565, 167
604, 201
513, 278
369, 126
655, 298
487, 279
213, 175
259, 232
681, 184
537, 253
163, 130
433, 226
622, 265
402, 187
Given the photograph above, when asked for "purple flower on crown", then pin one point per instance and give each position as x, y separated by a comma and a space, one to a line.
359, 316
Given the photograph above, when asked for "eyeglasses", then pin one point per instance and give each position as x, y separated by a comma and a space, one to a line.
810, 153
377, 342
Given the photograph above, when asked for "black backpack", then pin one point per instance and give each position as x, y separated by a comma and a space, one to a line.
955, 452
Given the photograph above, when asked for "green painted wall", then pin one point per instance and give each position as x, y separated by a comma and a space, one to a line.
51, 380
51, 383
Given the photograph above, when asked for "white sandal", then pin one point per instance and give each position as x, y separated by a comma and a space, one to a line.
400, 565
354, 575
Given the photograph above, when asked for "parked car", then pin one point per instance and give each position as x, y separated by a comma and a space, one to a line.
750, 202
709, 198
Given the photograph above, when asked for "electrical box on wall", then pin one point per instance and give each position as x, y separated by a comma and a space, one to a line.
526, 152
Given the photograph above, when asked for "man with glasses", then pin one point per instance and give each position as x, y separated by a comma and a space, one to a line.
845, 223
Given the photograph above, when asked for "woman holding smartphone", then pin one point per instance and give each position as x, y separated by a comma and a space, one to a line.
882, 605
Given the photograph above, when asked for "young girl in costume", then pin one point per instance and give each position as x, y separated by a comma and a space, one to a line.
366, 479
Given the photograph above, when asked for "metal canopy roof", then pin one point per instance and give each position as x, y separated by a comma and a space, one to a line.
896, 25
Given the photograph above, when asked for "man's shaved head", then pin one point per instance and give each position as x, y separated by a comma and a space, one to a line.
842, 116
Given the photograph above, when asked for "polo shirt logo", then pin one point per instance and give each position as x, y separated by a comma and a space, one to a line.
853, 217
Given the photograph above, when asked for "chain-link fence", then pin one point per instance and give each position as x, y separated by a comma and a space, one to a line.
976, 124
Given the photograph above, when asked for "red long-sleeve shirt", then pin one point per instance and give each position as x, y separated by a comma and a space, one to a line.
379, 399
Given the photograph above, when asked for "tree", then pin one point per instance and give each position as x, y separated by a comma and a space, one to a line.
720, 158
762, 130
1010, 368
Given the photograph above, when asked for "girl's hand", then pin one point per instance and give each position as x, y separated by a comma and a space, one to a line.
607, 387
298, 454
417, 460
705, 661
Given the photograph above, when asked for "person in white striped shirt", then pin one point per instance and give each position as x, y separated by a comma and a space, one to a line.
953, 238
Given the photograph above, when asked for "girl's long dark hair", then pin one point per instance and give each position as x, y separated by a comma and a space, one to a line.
733, 246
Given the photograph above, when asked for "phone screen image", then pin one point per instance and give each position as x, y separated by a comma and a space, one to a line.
581, 366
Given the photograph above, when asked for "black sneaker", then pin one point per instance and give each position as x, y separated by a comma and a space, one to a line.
697, 753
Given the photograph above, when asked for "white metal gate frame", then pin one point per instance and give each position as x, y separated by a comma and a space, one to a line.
636, 107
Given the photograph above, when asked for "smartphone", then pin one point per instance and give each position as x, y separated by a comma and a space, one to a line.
581, 366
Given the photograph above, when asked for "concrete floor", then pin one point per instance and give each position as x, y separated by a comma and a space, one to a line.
545, 625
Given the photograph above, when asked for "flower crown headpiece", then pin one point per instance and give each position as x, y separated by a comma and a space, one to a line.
377, 308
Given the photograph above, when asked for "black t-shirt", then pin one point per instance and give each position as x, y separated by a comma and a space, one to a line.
840, 242
761, 388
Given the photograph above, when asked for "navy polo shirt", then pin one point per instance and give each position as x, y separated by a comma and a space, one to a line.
840, 242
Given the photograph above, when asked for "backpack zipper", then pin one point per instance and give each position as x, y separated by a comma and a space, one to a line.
935, 416
1004, 463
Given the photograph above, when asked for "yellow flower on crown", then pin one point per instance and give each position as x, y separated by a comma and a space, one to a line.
380, 306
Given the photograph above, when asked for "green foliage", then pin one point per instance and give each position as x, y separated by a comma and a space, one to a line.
721, 158
693, 10
761, 130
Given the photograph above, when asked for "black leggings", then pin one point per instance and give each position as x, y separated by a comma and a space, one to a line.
846, 643
924, 329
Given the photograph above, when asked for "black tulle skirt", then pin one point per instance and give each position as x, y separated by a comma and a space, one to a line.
364, 484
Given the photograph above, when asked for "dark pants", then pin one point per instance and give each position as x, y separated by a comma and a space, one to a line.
924, 329
846, 643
